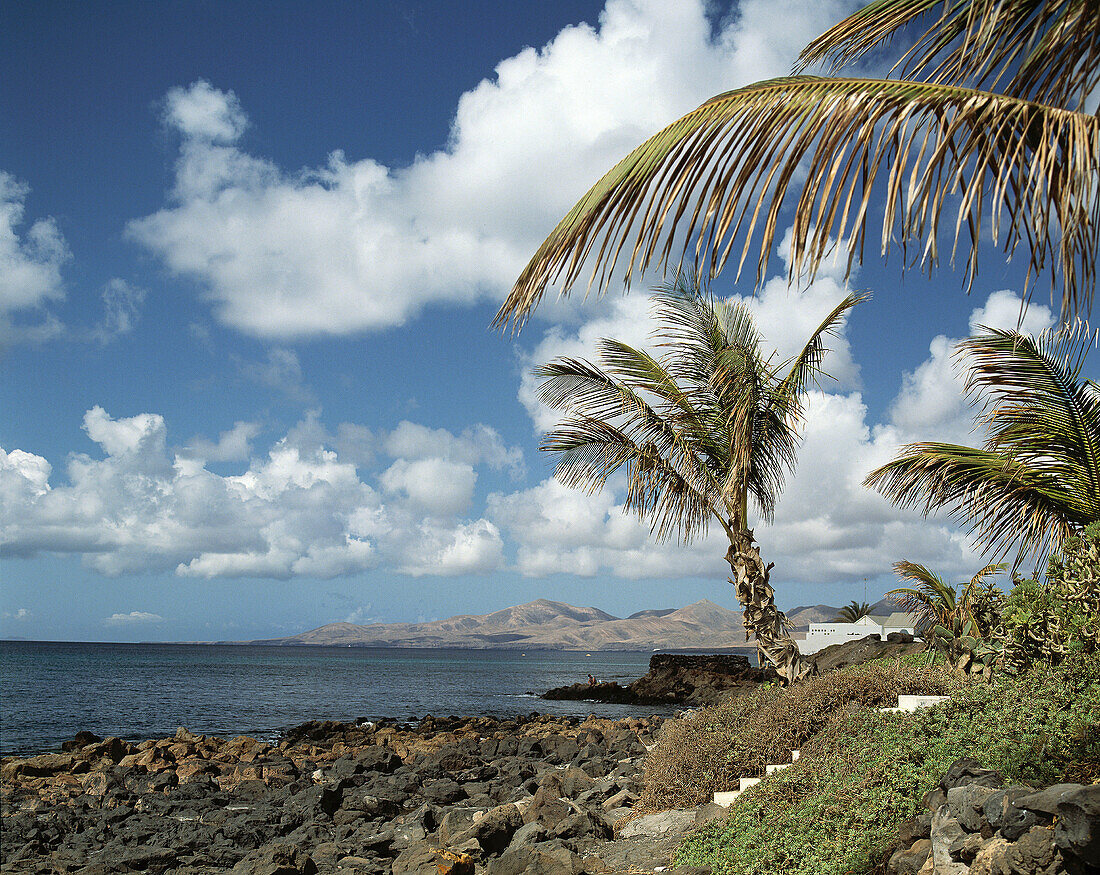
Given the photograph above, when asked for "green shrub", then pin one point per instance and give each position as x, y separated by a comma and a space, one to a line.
837, 809
1046, 622
714, 747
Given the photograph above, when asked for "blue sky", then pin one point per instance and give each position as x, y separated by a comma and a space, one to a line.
249, 254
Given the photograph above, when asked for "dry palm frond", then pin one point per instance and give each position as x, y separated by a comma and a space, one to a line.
1045, 50
727, 170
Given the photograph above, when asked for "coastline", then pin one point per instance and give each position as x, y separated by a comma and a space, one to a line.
49, 692
375, 797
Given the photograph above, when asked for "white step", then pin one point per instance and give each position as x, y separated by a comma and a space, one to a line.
908, 704
772, 769
726, 799
795, 754
749, 782
912, 703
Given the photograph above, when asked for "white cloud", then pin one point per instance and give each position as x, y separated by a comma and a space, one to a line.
121, 309
361, 615
282, 371
473, 548
355, 245
475, 445
234, 445
303, 510
1005, 309
931, 400
144, 433
436, 485
19, 614
30, 267
565, 531
133, 618
203, 113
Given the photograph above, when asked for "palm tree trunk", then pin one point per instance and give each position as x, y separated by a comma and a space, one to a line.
762, 618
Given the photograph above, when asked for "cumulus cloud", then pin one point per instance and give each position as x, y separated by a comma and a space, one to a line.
133, 618
476, 445
19, 614
931, 400
234, 445
355, 245
30, 267
301, 510
361, 615
436, 485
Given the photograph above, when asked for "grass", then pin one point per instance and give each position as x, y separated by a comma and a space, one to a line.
837, 809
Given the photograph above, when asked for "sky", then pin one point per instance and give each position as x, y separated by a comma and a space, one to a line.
249, 255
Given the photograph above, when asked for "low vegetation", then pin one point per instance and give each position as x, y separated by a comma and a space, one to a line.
1035, 717
837, 808
714, 747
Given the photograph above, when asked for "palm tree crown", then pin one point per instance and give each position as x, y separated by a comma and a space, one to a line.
852, 612
988, 123
699, 430
1037, 478
934, 602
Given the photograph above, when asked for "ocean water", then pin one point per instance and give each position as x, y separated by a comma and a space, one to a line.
50, 691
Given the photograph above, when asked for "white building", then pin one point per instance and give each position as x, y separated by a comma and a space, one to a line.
822, 635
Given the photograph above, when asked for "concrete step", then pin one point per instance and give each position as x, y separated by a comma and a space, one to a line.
908, 704
726, 798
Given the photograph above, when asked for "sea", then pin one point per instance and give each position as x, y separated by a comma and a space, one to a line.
50, 691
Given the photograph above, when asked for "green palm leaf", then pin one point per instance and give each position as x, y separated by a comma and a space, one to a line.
1037, 479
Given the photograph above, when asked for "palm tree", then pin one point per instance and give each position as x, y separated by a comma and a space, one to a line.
700, 430
1037, 478
934, 602
852, 612
986, 121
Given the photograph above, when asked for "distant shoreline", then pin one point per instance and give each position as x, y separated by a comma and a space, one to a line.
750, 648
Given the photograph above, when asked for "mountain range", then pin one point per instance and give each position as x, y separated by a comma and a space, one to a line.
549, 625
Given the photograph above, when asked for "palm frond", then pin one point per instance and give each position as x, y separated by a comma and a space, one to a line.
728, 169
852, 612
591, 450
1036, 408
1002, 503
1043, 50
873, 25
588, 393
988, 571
806, 366
930, 601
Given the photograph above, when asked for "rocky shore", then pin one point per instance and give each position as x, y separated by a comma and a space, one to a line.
456, 795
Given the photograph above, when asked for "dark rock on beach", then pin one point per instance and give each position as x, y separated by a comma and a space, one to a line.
446, 795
